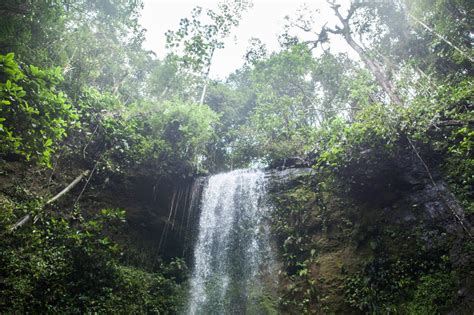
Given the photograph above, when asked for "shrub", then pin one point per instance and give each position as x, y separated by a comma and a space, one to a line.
34, 114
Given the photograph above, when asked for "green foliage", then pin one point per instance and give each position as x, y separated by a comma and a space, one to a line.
233, 104
34, 115
201, 37
32, 26
282, 120
261, 304
434, 294
460, 166
146, 293
112, 107
108, 131
175, 132
384, 286
459, 162
70, 265
361, 158
295, 94
167, 81
446, 20
360, 155
298, 213
95, 42
366, 147
168, 136
108, 108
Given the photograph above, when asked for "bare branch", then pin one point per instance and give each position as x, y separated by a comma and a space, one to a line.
454, 123
338, 30
27, 217
443, 38
21, 222
304, 28
336, 7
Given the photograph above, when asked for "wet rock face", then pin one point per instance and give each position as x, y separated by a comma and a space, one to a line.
392, 213
410, 197
160, 212
436, 203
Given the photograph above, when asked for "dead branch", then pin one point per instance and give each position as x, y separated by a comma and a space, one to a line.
69, 187
454, 123
20, 223
27, 217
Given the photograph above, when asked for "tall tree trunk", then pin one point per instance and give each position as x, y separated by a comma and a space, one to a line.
376, 70
203, 93
206, 78
372, 65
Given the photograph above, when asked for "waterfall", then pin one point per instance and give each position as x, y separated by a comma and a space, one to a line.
233, 260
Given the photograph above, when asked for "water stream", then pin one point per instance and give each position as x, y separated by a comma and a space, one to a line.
233, 262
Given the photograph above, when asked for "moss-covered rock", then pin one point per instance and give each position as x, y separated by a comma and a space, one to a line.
380, 252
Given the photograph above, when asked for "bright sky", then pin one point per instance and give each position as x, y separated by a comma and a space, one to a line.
264, 20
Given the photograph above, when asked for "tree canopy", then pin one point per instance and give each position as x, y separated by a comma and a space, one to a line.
77, 87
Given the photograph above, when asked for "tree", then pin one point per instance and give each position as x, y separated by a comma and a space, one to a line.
201, 36
442, 47
94, 42
167, 81
375, 67
284, 114
34, 115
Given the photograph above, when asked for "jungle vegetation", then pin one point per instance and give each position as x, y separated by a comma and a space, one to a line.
78, 88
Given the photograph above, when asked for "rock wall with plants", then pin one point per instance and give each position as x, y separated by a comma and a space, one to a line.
375, 233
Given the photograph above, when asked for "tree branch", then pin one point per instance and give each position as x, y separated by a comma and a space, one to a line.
453, 123
27, 217
69, 187
371, 64
443, 38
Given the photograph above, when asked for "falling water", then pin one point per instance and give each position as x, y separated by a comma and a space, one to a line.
232, 255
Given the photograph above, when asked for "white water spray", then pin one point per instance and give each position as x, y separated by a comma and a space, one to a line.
232, 253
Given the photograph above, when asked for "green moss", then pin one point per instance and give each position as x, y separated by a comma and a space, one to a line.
345, 256
434, 294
